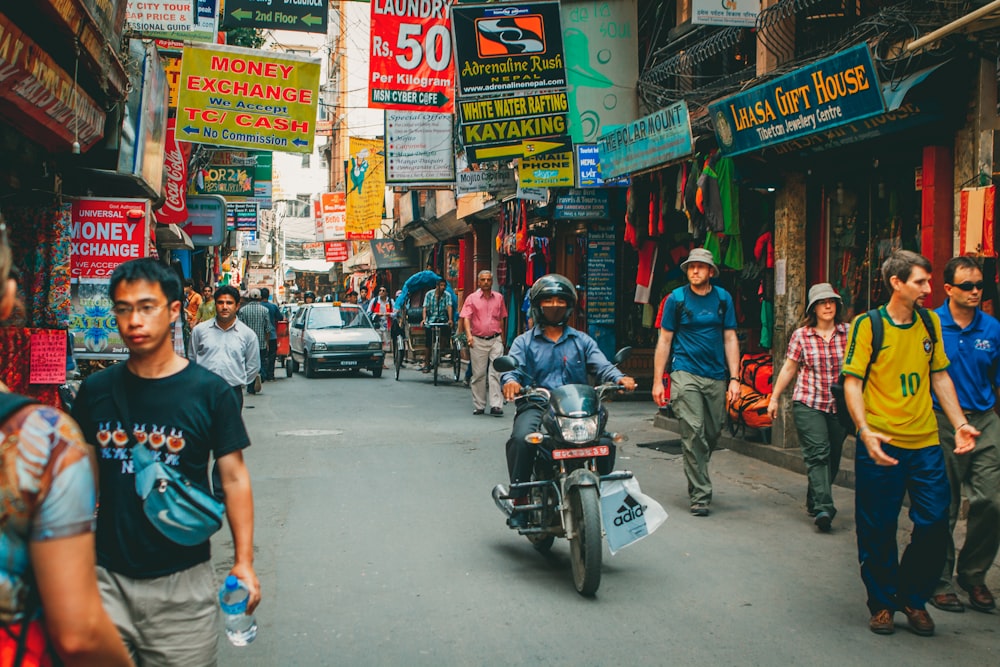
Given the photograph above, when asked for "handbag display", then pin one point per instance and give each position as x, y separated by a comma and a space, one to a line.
181, 511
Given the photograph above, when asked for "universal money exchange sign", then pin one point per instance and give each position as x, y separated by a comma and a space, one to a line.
231, 96
410, 66
502, 48
105, 233
826, 94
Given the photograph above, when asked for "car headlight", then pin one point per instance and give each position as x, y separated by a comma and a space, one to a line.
375, 345
578, 429
318, 347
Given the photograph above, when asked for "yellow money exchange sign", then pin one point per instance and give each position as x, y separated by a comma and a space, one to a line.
231, 96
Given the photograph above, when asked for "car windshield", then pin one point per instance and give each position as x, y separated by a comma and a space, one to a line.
338, 317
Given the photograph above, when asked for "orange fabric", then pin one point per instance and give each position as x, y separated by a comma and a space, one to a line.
36, 652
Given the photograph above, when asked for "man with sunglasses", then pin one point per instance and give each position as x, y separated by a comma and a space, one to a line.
971, 339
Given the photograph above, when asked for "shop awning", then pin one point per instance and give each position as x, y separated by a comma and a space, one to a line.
894, 92
172, 237
309, 265
360, 261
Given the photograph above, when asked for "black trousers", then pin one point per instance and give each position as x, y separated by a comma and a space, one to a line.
267, 360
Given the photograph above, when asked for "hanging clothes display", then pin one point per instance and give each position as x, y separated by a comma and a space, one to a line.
40, 242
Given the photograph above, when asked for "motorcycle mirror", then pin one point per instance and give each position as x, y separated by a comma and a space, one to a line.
622, 354
504, 364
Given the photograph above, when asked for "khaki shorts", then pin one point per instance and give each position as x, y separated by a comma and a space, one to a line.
169, 621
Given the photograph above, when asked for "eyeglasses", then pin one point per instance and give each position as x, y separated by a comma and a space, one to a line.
145, 311
968, 285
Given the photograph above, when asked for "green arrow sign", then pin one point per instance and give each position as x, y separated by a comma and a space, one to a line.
275, 16
408, 97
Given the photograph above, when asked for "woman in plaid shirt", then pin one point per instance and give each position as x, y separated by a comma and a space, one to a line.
817, 348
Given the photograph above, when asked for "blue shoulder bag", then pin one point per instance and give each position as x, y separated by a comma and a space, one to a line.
181, 511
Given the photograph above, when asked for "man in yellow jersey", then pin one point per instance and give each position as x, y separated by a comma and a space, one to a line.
898, 449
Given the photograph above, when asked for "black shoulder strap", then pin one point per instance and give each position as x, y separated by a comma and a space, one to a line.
878, 336
11, 403
925, 317
678, 307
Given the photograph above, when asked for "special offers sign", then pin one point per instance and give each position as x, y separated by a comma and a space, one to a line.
243, 98
410, 68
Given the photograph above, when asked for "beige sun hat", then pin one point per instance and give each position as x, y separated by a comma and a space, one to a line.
821, 291
700, 255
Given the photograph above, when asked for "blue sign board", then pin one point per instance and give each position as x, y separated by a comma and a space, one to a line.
588, 169
581, 205
828, 93
658, 138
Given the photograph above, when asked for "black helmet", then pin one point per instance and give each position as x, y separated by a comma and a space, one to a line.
547, 286
309, 295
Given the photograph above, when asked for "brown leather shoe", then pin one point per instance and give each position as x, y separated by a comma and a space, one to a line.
882, 622
947, 602
980, 598
920, 621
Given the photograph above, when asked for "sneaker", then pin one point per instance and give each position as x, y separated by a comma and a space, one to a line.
882, 623
699, 509
823, 522
920, 621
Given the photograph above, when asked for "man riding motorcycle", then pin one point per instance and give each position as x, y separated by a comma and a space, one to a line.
549, 355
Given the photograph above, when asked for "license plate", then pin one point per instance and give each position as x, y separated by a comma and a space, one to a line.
348, 363
580, 453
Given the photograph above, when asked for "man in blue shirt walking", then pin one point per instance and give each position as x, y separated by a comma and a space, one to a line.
267, 370
550, 354
699, 326
972, 342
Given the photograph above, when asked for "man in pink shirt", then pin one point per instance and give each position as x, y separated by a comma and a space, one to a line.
485, 317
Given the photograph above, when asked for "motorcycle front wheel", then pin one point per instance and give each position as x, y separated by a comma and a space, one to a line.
585, 547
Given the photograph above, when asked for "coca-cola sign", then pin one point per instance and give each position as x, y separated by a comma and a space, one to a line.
174, 210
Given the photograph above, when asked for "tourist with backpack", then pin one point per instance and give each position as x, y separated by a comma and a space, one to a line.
815, 354
50, 608
698, 337
898, 450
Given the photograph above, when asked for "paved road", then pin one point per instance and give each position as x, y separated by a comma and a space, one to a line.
378, 544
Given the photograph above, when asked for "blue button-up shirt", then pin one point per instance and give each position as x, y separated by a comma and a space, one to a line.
543, 363
974, 353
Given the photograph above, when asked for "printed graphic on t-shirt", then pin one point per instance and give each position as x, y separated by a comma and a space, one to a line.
166, 448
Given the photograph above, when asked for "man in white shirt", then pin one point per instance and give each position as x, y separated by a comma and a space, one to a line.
225, 345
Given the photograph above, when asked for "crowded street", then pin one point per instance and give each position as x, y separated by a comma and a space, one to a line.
378, 544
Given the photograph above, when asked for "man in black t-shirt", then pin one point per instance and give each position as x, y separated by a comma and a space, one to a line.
161, 595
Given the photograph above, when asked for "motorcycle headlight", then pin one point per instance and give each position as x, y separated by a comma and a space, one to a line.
318, 347
578, 429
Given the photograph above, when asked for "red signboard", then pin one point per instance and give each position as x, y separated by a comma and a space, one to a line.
40, 98
175, 164
411, 65
335, 251
104, 234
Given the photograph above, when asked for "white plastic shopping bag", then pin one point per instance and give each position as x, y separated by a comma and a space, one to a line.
628, 514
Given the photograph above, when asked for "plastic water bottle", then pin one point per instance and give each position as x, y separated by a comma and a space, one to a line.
241, 627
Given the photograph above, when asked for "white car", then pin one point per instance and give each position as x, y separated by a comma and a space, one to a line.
336, 337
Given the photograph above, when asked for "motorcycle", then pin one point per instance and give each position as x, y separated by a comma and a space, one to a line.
574, 454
